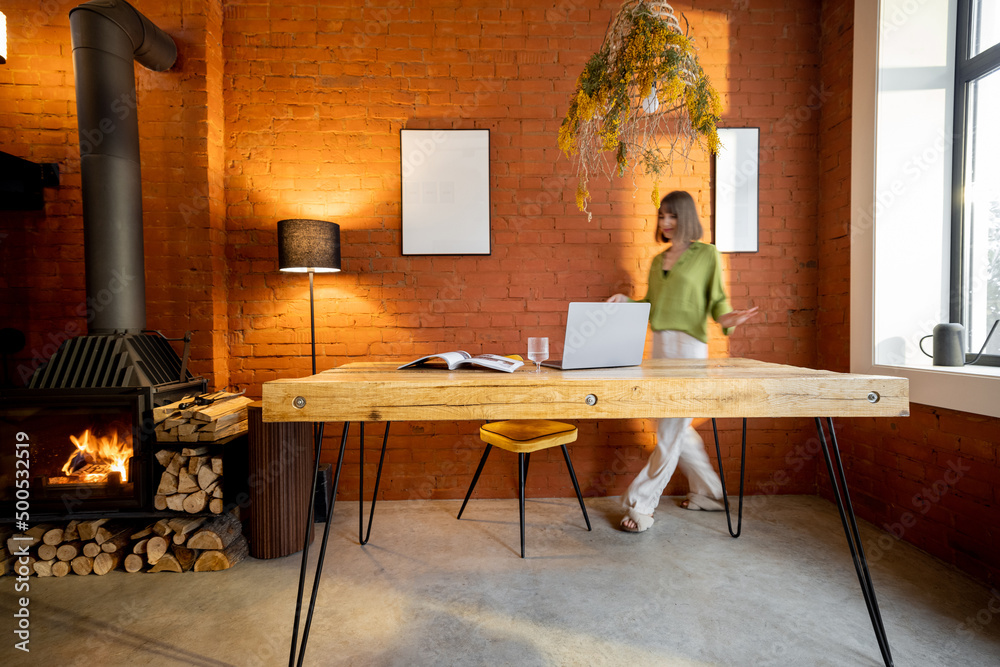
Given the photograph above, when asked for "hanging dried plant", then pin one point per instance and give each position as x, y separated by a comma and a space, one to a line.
642, 99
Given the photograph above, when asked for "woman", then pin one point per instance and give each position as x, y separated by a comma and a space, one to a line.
685, 286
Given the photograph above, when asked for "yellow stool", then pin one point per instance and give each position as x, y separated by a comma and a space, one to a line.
525, 436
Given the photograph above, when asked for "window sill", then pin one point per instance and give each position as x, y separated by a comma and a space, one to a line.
965, 388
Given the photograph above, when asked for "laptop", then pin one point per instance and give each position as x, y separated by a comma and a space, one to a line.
603, 335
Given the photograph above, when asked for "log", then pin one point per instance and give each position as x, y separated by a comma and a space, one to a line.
109, 530
71, 531
194, 451
195, 502
194, 465
140, 546
217, 492
168, 484
190, 437
160, 501
216, 533
133, 563
186, 483
45, 552
82, 565
91, 549
155, 548
226, 431
17, 542
61, 568
145, 532
167, 563
184, 527
106, 562
217, 465
172, 422
54, 537
117, 543
69, 550
215, 506
176, 463
219, 408
39, 530
164, 436
43, 568
164, 456
88, 529
176, 502
186, 429
224, 421
161, 413
185, 557
214, 560
206, 477
162, 527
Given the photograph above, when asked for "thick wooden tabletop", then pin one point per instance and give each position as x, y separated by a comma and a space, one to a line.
376, 391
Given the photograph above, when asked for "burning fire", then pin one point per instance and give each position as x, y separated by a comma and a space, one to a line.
97, 456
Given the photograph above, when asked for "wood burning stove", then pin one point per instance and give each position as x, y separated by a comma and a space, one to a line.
90, 450
92, 401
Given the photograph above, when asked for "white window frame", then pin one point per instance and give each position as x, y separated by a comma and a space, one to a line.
971, 389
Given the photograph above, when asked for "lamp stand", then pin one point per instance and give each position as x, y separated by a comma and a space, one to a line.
312, 320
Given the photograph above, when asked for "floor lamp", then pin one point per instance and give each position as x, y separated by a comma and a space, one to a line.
309, 246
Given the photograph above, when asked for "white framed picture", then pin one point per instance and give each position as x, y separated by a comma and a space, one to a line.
736, 189
446, 191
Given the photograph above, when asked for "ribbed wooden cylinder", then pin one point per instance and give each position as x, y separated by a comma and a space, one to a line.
281, 469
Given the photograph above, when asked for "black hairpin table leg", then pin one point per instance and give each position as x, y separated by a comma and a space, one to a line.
839, 484
722, 478
292, 659
362, 535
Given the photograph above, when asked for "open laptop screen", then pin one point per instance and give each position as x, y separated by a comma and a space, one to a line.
603, 335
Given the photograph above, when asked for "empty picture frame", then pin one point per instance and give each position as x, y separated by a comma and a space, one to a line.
736, 194
446, 191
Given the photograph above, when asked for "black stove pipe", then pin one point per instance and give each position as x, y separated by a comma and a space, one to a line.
107, 36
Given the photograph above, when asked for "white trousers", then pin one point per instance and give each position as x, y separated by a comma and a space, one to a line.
677, 443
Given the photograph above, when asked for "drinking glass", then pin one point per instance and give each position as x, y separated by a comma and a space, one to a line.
538, 351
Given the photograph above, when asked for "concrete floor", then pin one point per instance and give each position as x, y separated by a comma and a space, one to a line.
430, 590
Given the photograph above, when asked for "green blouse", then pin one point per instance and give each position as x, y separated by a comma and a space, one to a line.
692, 290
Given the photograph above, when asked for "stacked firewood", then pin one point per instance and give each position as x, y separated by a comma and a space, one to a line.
191, 481
204, 418
201, 544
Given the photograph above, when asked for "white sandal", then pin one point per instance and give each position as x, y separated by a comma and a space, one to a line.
696, 501
642, 521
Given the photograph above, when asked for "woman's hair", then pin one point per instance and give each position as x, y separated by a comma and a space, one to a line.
681, 204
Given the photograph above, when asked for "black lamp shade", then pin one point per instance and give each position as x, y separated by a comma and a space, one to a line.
308, 245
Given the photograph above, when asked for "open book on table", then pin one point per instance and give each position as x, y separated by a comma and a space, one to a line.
458, 359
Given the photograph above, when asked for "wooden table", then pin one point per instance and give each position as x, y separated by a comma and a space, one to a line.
377, 392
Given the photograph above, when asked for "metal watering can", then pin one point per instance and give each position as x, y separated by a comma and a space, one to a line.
949, 344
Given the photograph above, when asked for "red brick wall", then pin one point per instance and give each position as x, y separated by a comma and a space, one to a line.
932, 479
182, 155
298, 113
316, 96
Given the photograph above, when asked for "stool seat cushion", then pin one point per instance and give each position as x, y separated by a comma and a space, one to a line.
527, 435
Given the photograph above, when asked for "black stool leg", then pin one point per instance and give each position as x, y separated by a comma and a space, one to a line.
522, 471
479, 470
576, 485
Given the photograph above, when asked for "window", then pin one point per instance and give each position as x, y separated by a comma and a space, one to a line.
903, 159
975, 256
